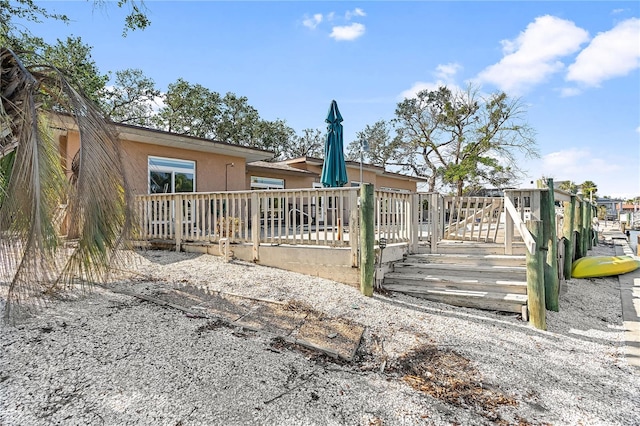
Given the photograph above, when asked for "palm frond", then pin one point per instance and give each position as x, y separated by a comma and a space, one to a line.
97, 204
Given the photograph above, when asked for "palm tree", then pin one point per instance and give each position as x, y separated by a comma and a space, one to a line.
33, 259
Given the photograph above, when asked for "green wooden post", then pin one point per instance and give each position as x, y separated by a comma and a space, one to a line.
586, 225
568, 228
577, 226
535, 279
367, 237
594, 235
551, 276
548, 245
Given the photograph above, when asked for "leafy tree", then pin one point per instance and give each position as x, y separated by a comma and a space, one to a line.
73, 58
237, 120
459, 138
273, 136
97, 200
194, 110
381, 146
589, 190
132, 98
189, 109
309, 144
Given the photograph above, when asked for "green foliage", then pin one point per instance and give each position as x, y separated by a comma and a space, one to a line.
275, 136
137, 18
73, 59
569, 186
589, 190
194, 110
189, 109
237, 120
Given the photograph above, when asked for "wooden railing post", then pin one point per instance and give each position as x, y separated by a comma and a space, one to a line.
590, 227
551, 280
577, 226
535, 279
255, 225
585, 227
354, 229
367, 253
435, 222
568, 228
508, 226
178, 221
414, 222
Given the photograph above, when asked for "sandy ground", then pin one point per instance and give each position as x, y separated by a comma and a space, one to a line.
108, 358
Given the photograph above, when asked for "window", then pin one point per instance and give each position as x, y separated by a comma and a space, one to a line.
266, 183
169, 175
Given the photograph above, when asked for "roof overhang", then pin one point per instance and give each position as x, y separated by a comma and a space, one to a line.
167, 139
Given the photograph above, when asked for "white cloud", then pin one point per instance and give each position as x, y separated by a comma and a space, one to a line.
347, 32
312, 22
534, 54
567, 92
616, 11
355, 12
605, 169
610, 54
638, 129
444, 76
447, 71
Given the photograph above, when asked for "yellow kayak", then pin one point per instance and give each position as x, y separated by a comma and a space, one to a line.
603, 266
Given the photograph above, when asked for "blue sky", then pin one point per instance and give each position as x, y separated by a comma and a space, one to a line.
575, 65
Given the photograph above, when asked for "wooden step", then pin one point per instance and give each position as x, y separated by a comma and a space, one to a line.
469, 259
509, 273
504, 302
395, 281
466, 247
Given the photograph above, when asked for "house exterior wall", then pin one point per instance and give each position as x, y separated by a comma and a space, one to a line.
211, 169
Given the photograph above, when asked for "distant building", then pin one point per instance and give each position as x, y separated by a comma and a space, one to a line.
614, 207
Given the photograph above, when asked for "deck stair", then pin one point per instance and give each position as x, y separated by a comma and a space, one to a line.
485, 281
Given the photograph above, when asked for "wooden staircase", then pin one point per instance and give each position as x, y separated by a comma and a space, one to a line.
473, 275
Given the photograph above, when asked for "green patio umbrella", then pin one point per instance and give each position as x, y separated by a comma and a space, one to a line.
334, 170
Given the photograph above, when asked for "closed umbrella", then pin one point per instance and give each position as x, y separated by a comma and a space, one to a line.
334, 169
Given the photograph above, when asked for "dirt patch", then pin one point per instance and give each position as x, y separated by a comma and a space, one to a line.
448, 376
294, 321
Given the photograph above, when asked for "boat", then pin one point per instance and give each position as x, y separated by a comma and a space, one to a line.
603, 266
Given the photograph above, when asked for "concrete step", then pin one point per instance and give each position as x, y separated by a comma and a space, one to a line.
469, 259
477, 272
397, 281
503, 302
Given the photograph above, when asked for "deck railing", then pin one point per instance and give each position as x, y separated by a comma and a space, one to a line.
300, 216
330, 217
472, 218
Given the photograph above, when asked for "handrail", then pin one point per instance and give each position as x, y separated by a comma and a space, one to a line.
522, 228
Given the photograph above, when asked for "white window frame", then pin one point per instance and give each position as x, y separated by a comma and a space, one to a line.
178, 166
260, 182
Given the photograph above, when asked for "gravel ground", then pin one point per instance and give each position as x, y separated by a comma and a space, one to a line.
107, 358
